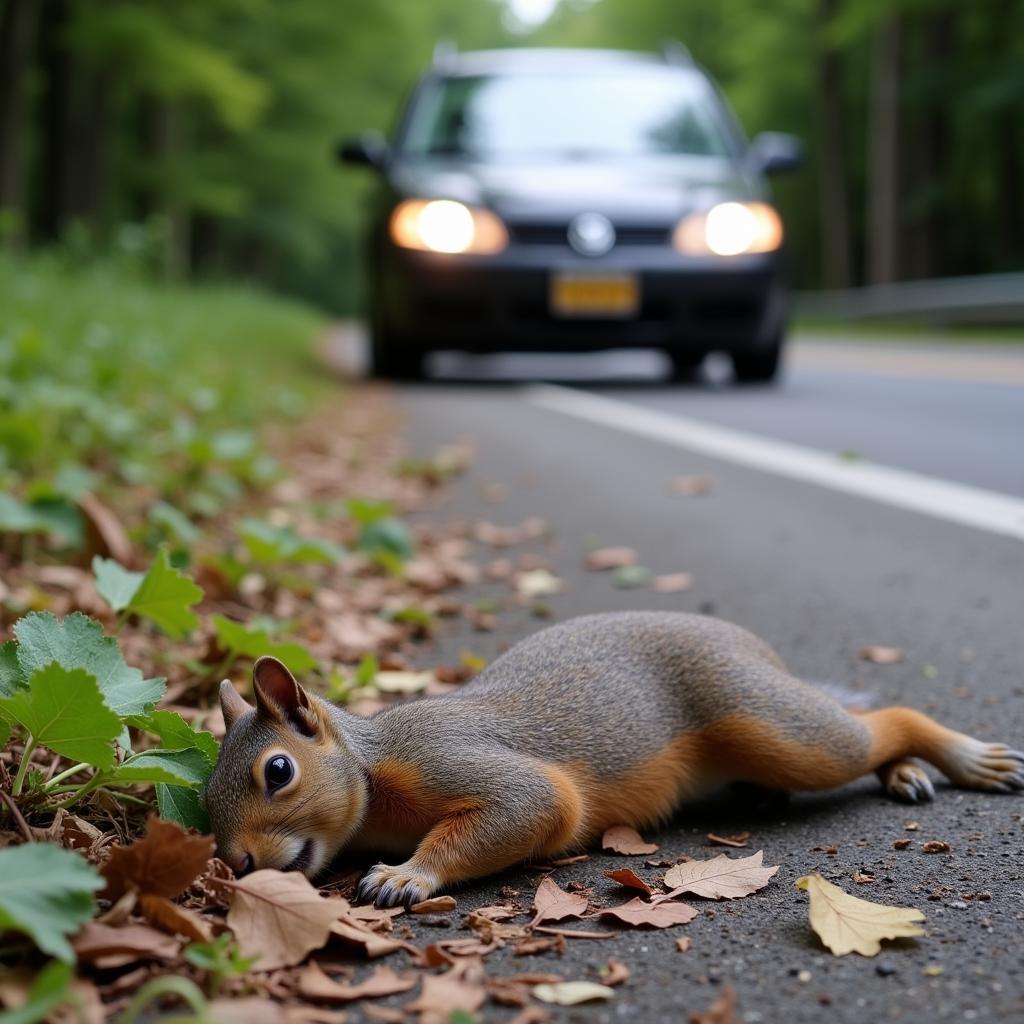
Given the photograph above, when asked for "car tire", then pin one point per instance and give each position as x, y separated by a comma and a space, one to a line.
393, 359
757, 367
685, 364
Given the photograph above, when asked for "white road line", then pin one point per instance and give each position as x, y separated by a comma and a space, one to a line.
957, 503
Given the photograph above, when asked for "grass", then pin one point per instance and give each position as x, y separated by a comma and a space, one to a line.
911, 331
107, 378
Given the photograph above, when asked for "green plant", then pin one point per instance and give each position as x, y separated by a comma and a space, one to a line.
221, 959
253, 641
65, 686
382, 536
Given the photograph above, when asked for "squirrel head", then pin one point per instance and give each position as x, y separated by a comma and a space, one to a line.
287, 792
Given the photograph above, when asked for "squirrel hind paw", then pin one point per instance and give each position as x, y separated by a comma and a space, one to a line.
401, 885
908, 782
992, 767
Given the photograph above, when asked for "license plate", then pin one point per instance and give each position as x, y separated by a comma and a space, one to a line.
608, 295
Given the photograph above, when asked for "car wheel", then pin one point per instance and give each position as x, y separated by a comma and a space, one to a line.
757, 367
393, 359
685, 364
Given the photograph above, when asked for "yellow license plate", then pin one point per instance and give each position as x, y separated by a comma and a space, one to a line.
610, 295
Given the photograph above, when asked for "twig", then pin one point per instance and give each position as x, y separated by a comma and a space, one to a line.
26, 830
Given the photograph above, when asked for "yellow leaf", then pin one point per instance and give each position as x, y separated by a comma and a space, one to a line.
569, 993
847, 924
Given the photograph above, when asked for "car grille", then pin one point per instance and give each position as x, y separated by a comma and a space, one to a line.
558, 234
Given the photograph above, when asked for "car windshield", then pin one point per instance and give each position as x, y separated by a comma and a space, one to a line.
633, 112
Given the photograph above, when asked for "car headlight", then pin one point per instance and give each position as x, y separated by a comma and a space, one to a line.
729, 229
443, 225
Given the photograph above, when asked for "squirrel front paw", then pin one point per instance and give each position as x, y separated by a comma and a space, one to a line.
390, 886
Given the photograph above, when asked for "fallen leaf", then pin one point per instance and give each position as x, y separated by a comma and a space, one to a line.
627, 877
165, 861
562, 862
539, 944
437, 905
672, 583
638, 913
402, 682
615, 972
625, 840
935, 846
252, 1010
721, 1011
383, 981
105, 535
881, 655
280, 917
570, 934
552, 903
160, 911
609, 558
497, 913
690, 486
442, 995
903, 844
912, 826
862, 878
684, 944
737, 841
629, 577
538, 583
569, 993
846, 924
134, 941
373, 945
721, 877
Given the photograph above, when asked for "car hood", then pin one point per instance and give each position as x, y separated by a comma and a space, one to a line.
644, 190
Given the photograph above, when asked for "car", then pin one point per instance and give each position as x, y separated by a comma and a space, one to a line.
574, 200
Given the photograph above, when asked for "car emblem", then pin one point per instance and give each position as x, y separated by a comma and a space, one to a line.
591, 234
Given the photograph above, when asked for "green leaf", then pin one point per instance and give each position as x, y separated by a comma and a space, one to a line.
50, 990
46, 892
114, 583
251, 642
11, 676
387, 536
57, 517
365, 511
176, 734
174, 522
189, 767
185, 806
165, 596
64, 710
78, 642
268, 543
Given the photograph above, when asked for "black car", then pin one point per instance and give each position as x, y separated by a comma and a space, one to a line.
572, 200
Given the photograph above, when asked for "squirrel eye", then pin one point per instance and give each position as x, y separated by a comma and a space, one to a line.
278, 772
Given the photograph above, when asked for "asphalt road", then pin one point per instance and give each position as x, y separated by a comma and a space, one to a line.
820, 572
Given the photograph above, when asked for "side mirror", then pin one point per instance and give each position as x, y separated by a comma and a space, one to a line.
775, 152
365, 151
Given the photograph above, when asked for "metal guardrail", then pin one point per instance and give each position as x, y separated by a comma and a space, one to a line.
988, 299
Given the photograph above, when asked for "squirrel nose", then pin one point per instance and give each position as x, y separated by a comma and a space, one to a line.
243, 865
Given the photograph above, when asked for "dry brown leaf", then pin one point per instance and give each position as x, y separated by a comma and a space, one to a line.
690, 486
672, 583
531, 1015
384, 1014
881, 655
104, 533
437, 905
373, 945
251, 1010
383, 981
537, 583
562, 862
498, 913
165, 861
720, 878
280, 917
552, 903
721, 1011
615, 972
628, 878
443, 994
684, 944
539, 944
935, 846
639, 913
176, 920
847, 924
625, 840
569, 933
609, 558
737, 841
571, 993
132, 941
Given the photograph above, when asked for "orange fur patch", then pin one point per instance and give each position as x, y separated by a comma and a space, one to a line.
903, 732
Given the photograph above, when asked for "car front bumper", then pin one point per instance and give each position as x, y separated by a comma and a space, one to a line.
427, 301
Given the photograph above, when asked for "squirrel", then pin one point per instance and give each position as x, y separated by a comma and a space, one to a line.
601, 720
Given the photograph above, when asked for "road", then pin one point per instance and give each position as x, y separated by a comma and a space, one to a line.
821, 568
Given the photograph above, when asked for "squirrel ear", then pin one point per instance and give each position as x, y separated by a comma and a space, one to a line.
279, 697
232, 704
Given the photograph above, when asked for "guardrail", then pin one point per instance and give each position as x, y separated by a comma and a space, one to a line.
988, 299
